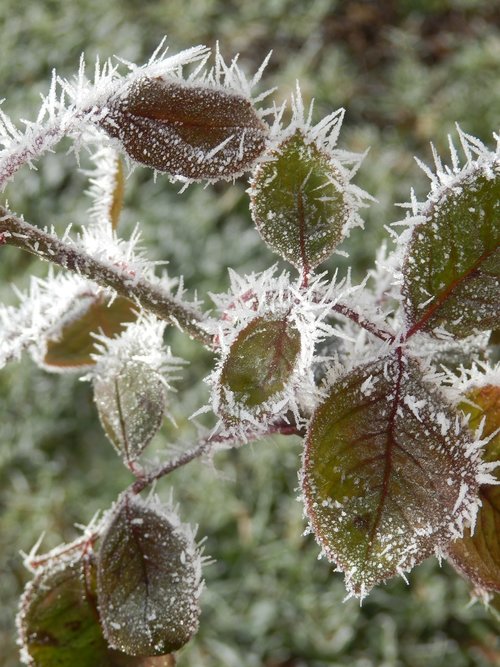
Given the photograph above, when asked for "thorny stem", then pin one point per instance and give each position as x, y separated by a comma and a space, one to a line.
16, 232
203, 448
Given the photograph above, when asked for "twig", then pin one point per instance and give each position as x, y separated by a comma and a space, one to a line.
203, 448
342, 309
16, 232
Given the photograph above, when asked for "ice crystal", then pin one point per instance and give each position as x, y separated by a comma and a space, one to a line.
105, 187
455, 293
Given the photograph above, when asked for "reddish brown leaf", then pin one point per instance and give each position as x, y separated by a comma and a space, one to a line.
194, 131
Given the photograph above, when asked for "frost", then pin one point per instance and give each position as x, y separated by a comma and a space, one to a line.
141, 341
106, 187
203, 126
476, 556
70, 107
41, 310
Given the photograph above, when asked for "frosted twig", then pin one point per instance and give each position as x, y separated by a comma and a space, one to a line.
204, 447
16, 232
355, 317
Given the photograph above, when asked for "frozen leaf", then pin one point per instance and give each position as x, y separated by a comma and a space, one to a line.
298, 202
131, 403
477, 556
72, 343
117, 195
59, 622
452, 266
107, 187
148, 580
261, 361
194, 131
387, 474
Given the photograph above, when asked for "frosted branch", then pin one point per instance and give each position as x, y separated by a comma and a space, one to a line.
363, 322
153, 298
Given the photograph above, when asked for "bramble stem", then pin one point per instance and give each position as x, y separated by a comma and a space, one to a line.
153, 298
203, 448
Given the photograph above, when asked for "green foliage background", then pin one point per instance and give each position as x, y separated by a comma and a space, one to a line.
405, 71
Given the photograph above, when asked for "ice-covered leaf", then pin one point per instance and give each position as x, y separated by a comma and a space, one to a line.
194, 131
477, 556
261, 361
452, 266
388, 471
117, 194
148, 580
298, 202
72, 343
59, 622
131, 403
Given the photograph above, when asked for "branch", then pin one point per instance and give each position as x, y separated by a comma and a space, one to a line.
16, 232
204, 447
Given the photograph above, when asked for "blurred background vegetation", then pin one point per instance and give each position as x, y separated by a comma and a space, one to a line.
406, 72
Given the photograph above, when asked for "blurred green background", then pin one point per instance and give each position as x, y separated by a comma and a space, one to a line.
406, 72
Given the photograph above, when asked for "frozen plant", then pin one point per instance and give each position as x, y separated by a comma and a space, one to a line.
391, 383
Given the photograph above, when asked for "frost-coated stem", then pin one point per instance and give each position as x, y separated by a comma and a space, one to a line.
16, 232
203, 448
21, 155
355, 317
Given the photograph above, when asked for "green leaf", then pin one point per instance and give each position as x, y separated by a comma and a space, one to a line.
452, 266
193, 131
73, 343
298, 202
477, 556
261, 361
59, 622
385, 476
148, 581
131, 403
